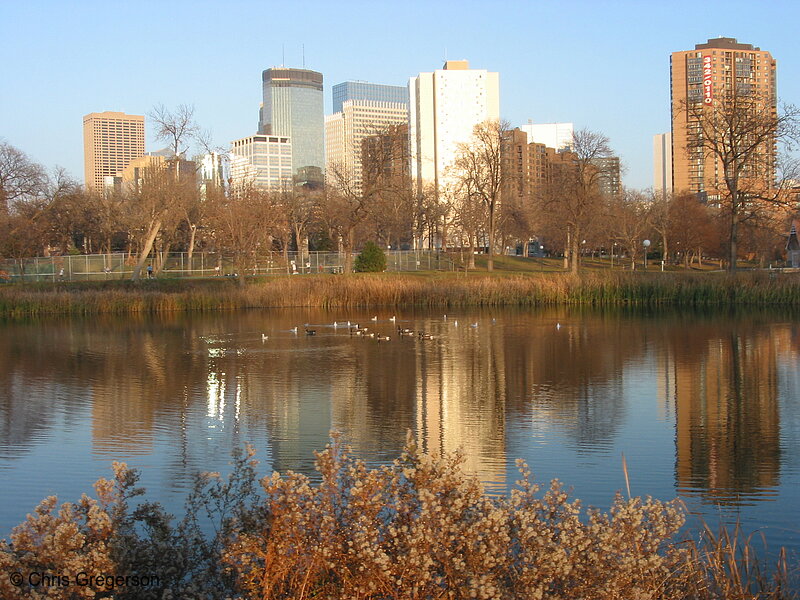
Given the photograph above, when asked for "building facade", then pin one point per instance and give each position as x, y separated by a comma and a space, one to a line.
363, 90
264, 161
136, 172
709, 76
553, 135
345, 132
293, 108
662, 164
444, 107
609, 180
111, 140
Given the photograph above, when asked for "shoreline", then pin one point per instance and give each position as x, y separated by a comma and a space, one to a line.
428, 289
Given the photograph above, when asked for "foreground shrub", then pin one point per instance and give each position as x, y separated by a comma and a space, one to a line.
416, 529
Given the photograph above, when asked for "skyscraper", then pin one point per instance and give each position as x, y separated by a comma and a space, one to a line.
363, 90
293, 108
264, 161
662, 164
358, 119
444, 108
111, 140
710, 76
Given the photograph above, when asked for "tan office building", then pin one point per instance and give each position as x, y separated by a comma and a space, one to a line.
111, 140
705, 76
346, 131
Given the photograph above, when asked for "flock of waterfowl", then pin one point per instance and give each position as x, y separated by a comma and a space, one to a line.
357, 330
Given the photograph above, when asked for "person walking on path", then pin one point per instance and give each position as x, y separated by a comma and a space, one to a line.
150, 271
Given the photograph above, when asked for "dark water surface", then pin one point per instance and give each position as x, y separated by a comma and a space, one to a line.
704, 406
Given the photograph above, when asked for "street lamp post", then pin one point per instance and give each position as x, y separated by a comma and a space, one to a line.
646, 245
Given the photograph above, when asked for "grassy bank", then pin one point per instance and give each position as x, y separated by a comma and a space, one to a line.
418, 529
401, 289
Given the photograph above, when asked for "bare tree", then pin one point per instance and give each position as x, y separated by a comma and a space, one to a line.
470, 216
301, 208
345, 206
244, 218
630, 215
20, 177
691, 227
738, 134
177, 127
155, 201
479, 167
572, 199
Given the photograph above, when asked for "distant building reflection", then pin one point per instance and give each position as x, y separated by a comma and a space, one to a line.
724, 392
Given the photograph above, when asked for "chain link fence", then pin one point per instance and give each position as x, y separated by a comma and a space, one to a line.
99, 267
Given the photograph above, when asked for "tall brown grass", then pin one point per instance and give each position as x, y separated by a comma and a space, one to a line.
368, 290
417, 529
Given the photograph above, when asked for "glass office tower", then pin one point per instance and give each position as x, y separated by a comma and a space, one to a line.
293, 107
361, 90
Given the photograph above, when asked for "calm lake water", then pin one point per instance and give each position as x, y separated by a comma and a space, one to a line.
704, 406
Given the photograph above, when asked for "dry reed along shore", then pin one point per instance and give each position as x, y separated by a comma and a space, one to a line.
396, 290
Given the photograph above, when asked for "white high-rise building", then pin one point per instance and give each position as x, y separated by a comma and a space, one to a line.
552, 135
444, 107
346, 130
262, 160
662, 164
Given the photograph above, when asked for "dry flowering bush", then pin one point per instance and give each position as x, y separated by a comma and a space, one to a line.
416, 529
421, 529
57, 542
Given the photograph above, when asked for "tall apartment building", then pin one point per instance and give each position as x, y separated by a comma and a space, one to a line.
529, 167
293, 108
345, 132
709, 76
608, 179
662, 164
553, 135
264, 161
444, 107
363, 90
111, 140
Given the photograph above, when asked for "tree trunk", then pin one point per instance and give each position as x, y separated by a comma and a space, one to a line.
192, 234
567, 251
148, 246
471, 264
733, 241
348, 252
163, 257
574, 254
490, 260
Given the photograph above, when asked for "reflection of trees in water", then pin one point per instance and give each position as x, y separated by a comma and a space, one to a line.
725, 391
571, 377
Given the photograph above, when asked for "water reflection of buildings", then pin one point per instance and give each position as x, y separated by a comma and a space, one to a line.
174, 390
724, 393
460, 402
441, 391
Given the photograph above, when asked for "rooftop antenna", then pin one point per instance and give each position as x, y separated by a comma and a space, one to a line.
283, 55
304, 55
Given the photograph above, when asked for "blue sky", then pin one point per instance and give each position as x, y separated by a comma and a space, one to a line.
602, 65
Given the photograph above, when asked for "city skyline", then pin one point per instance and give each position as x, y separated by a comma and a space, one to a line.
555, 64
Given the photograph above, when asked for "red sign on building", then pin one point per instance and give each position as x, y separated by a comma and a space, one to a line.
708, 86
